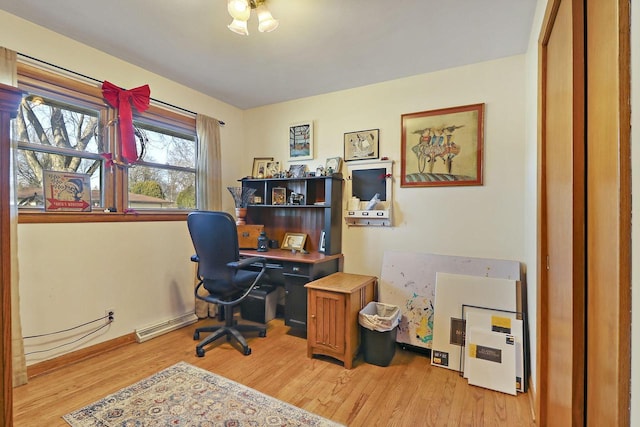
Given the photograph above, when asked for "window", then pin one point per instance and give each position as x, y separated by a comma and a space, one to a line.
65, 125
58, 136
165, 177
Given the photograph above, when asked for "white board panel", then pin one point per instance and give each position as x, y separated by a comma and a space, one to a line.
500, 322
492, 360
452, 292
408, 280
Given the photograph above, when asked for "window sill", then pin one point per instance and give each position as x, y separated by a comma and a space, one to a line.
40, 217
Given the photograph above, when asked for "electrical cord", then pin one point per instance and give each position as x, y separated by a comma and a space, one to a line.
69, 343
70, 329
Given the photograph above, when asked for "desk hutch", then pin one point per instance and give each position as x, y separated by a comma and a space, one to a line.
318, 215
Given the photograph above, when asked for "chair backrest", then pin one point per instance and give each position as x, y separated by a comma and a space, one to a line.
215, 240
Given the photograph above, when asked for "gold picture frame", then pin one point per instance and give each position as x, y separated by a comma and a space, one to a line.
260, 166
294, 241
279, 196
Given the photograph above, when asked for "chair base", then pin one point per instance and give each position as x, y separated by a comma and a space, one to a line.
229, 332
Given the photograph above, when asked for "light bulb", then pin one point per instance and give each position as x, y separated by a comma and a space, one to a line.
239, 9
238, 26
266, 23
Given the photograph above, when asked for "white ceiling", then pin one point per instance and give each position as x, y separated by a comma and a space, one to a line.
320, 46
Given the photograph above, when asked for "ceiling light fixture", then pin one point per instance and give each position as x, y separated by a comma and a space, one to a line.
240, 11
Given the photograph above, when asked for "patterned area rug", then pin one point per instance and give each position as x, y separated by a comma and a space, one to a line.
185, 395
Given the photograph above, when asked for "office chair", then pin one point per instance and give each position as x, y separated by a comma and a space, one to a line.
223, 274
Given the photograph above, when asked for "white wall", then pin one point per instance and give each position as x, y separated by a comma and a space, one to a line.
70, 273
531, 180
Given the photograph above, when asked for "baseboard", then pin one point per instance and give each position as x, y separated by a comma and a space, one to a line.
79, 355
152, 331
532, 401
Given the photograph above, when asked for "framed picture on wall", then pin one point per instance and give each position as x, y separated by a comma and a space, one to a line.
301, 141
361, 145
442, 147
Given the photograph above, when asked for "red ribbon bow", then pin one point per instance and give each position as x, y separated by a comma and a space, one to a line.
122, 100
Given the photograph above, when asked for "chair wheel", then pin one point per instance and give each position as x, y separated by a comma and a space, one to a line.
247, 351
196, 336
262, 334
199, 352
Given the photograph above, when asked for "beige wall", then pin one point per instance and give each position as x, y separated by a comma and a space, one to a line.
481, 221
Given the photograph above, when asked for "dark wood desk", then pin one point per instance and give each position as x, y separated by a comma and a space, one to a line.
293, 271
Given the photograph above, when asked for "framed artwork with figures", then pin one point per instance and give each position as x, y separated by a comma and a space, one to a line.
442, 147
361, 145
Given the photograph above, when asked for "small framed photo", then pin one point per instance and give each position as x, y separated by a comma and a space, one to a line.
323, 241
279, 196
273, 169
301, 141
333, 164
297, 171
294, 241
361, 145
260, 166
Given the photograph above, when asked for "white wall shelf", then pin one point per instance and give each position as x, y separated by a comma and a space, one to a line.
367, 178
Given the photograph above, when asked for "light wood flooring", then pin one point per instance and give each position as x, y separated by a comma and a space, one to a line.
409, 392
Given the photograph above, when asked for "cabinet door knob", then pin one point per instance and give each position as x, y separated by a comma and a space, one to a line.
296, 269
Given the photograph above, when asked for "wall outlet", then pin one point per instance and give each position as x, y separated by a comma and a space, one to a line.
110, 315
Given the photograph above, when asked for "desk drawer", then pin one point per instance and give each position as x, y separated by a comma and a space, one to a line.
297, 268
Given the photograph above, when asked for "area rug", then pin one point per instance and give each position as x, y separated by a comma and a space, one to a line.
185, 395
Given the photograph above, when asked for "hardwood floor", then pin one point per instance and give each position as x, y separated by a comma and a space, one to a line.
409, 392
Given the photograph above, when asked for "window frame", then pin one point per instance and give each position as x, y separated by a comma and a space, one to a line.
37, 80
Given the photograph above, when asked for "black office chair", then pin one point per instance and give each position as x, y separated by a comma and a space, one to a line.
223, 274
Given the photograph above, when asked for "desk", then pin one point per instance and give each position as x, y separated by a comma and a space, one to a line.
293, 271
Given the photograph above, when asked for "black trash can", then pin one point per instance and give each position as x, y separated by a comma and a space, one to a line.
379, 328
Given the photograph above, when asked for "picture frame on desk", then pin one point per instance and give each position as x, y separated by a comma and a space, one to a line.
260, 166
279, 196
294, 241
323, 242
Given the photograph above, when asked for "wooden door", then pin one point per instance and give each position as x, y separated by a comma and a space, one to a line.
608, 213
561, 291
584, 241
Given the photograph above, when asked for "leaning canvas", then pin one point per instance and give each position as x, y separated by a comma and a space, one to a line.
452, 292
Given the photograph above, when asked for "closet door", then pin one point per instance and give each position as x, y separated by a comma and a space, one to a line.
584, 293
608, 213
561, 291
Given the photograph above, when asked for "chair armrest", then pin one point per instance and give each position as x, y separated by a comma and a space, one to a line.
195, 258
246, 262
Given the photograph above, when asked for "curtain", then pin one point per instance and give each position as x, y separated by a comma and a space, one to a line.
9, 76
209, 177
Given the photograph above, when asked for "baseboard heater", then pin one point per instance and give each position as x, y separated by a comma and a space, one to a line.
152, 331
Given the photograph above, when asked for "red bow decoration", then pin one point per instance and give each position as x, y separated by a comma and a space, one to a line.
122, 100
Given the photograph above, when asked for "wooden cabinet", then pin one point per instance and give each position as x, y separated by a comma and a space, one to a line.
333, 304
316, 212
